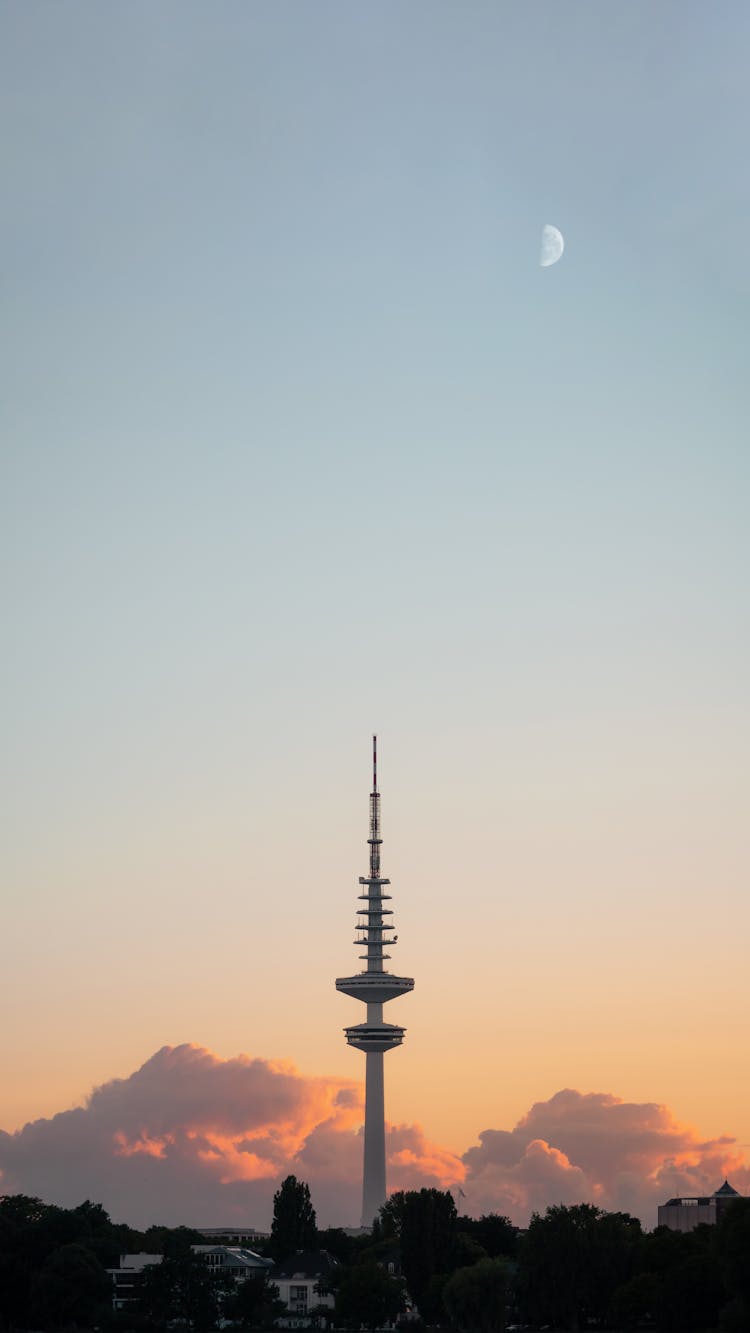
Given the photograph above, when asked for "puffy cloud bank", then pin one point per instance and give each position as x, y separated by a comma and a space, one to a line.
193, 1138
595, 1148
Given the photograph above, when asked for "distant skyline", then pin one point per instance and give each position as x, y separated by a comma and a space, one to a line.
300, 443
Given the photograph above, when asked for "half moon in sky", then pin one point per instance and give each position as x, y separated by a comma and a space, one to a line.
552, 246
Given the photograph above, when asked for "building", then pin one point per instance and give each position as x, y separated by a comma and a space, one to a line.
684, 1214
374, 987
247, 1236
127, 1279
238, 1262
303, 1283
233, 1259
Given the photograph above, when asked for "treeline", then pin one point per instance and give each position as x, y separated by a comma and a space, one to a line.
53, 1261
572, 1268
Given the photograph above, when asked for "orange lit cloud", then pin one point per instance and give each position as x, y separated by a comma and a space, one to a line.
596, 1148
193, 1138
414, 1162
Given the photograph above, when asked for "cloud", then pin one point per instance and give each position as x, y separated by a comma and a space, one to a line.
193, 1138
416, 1163
190, 1137
596, 1148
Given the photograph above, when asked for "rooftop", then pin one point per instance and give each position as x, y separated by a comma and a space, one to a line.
725, 1191
306, 1263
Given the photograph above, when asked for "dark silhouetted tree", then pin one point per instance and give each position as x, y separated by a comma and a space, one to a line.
474, 1297
19, 1257
343, 1247
679, 1279
367, 1295
294, 1224
635, 1301
171, 1240
496, 1234
574, 1258
692, 1295
182, 1287
254, 1303
733, 1244
425, 1223
70, 1288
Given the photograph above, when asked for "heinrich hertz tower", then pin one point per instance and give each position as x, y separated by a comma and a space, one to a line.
373, 987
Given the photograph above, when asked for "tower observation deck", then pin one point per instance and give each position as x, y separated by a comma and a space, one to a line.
374, 987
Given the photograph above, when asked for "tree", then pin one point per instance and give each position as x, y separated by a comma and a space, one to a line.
343, 1247
294, 1223
106, 1239
474, 1297
496, 1234
661, 1249
18, 1215
71, 1288
425, 1223
617, 1238
254, 1303
733, 1243
692, 1295
465, 1250
678, 1280
183, 1287
367, 1294
171, 1240
634, 1301
23, 1208
573, 1259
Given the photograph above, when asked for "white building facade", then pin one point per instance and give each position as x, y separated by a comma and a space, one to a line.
303, 1282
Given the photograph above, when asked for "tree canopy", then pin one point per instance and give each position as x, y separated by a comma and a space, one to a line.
578, 1255
182, 1287
474, 1297
294, 1225
367, 1294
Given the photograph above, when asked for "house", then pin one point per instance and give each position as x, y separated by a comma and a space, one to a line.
232, 1259
303, 1282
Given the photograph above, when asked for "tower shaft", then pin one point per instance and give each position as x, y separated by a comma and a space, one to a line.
373, 1175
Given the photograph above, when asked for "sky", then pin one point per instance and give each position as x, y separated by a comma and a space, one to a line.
300, 443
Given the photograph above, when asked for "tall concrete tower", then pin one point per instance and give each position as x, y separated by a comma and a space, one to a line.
374, 987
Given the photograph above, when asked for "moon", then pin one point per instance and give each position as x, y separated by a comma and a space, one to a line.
552, 246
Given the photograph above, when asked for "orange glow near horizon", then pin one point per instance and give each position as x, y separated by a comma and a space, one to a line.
175, 1111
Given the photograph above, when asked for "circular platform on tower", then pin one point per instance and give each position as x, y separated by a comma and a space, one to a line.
374, 987
374, 1036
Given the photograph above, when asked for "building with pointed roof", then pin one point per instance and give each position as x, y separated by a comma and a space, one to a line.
684, 1214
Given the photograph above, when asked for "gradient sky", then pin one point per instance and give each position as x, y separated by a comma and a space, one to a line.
300, 443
